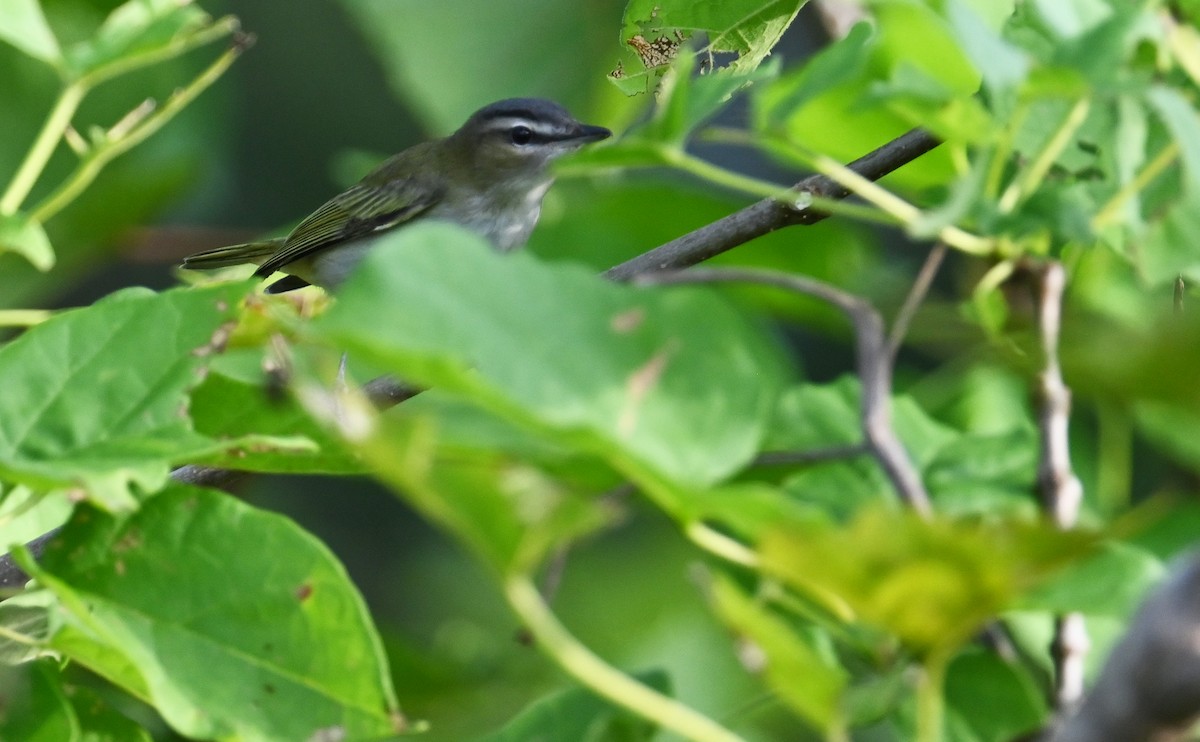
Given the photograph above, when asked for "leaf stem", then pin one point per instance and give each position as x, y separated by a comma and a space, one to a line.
596, 674
43, 147
95, 160
23, 317
930, 704
718, 544
1110, 210
903, 211
1028, 181
681, 160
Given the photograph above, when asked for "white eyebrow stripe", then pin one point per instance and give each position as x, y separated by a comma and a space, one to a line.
543, 128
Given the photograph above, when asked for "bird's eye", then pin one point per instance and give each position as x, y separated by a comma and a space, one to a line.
521, 135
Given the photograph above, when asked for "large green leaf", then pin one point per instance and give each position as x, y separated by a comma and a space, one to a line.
25, 27
669, 383
233, 622
97, 397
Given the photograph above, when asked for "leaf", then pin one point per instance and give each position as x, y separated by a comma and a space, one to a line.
136, 28
1111, 582
22, 235
653, 31
1181, 120
667, 383
100, 722
811, 684
263, 638
511, 513
1015, 704
25, 27
579, 714
37, 710
1002, 65
97, 397
930, 583
225, 408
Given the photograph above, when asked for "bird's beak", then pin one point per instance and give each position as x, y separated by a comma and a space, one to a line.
588, 133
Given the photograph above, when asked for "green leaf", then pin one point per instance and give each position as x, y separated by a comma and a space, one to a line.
1015, 705
653, 31
1180, 118
1109, 583
930, 583
35, 708
136, 28
100, 722
579, 714
1003, 66
1169, 248
226, 408
809, 682
97, 397
263, 636
22, 235
511, 513
25, 27
663, 382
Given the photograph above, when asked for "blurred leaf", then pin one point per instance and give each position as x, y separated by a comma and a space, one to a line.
509, 512
263, 638
101, 722
25, 28
931, 583
1181, 119
579, 714
549, 48
1170, 248
653, 31
631, 375
1001, 64
1015, 705
809, 683
97, 397
1108, 583
38, 710
136, 28
27, 624
27, 238
225, 408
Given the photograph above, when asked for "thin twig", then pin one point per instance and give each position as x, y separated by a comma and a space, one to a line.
873, 364
916, 295
1060, 491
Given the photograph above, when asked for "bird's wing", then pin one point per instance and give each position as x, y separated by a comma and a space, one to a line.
365, 208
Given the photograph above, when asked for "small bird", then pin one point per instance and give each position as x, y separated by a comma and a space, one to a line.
489, 176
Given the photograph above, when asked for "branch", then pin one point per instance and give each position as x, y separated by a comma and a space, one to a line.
1058, 488
873, 362
771, 214
1149, 690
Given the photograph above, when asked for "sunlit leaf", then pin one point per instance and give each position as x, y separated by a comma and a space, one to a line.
22, 235
25, 27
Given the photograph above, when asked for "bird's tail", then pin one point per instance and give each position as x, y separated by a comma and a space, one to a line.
222, 257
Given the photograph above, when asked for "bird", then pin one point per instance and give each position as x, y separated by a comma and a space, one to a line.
489, 176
